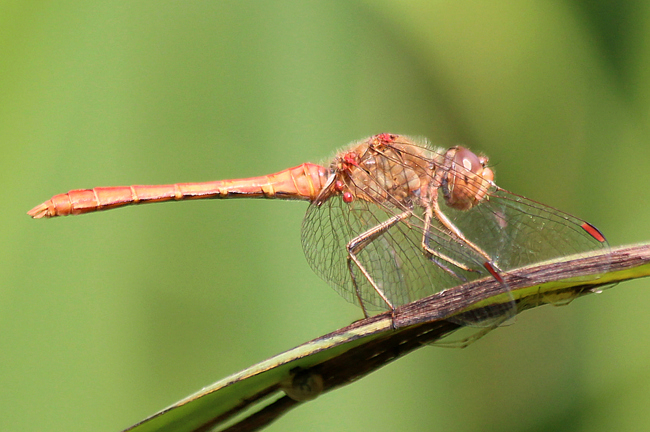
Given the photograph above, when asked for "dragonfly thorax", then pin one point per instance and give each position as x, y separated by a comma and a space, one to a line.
386, 169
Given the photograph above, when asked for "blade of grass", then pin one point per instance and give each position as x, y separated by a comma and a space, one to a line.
256, 396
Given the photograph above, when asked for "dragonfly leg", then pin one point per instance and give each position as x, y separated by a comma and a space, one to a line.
437, 260
472, 318
434, 208
433, 253
357, 244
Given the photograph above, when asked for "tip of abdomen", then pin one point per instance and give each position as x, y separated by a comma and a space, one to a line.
40, 211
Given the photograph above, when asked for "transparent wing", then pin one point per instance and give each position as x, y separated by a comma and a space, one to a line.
516, 231
395, 260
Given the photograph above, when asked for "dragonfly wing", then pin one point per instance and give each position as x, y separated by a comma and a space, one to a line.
516, 231
395, 260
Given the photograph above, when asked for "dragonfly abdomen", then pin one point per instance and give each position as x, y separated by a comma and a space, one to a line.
303, 182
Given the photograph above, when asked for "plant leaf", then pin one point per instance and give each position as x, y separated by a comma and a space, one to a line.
256, 396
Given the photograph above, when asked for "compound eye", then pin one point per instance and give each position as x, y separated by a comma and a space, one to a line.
468, 180
468, 160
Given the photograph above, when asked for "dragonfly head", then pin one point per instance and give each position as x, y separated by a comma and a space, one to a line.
468, 179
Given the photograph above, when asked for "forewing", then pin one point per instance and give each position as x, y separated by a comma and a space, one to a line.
516, 231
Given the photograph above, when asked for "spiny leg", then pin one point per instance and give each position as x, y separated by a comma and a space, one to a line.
433, 210
444, 220
357, 244
433, 253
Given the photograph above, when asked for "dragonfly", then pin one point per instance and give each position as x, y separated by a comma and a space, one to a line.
390, 220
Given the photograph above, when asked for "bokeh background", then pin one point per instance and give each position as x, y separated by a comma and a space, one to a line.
107, 318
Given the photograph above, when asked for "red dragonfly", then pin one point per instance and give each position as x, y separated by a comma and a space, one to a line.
391, 219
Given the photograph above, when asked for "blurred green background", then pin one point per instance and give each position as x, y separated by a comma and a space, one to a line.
107, 318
